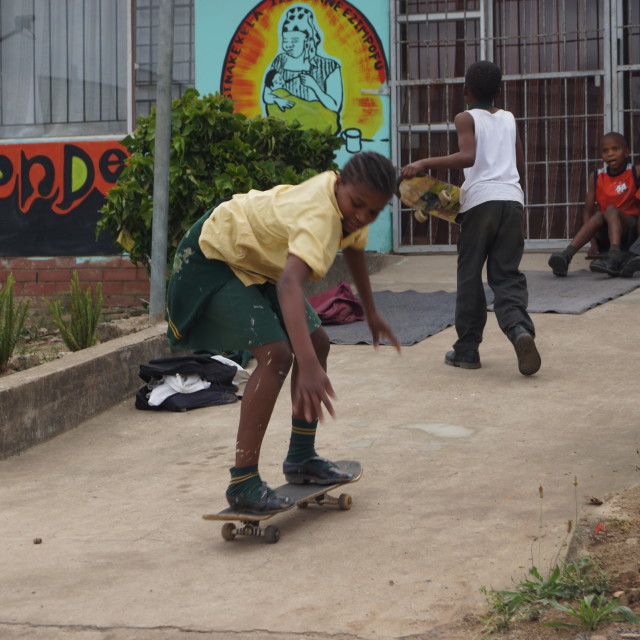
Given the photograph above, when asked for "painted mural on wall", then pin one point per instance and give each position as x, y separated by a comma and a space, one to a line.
319, 62
50, 194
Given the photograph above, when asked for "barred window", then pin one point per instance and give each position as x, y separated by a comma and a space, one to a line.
65, 65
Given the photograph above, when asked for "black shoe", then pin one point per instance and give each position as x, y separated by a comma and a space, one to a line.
528, 357
559, 263
314, 470
268, 501
630, 266
611, 266
463, 359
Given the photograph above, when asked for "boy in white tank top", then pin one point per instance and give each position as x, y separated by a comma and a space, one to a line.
492, 201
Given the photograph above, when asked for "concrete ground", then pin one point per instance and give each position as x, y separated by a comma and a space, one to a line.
449, 500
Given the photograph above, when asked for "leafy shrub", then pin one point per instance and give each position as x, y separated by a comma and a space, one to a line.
12, 319
78, 324
214, 154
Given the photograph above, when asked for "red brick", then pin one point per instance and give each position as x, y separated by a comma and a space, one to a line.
18, 276
125, 285
90, 275
111, 262
62, 288
119, 274
38, 289
18, 290
17, 263
63, 263
141, 274
112, 288
54, 275
135, 287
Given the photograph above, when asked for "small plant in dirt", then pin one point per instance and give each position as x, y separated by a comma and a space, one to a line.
536, 592
583, 581
78, 324
12, 319
593, 610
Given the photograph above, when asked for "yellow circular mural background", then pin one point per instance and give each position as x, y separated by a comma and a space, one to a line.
346, 36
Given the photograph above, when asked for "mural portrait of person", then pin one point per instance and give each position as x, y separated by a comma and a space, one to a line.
301, 84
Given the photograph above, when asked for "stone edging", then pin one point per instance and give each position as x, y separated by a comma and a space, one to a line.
39, 403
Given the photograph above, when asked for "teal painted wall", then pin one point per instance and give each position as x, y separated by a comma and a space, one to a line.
236, 45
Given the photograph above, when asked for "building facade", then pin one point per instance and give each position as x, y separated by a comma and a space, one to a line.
386, 75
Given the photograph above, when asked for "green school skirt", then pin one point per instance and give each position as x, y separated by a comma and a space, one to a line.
210, 309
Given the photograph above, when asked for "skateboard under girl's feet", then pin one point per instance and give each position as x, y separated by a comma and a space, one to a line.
249, 524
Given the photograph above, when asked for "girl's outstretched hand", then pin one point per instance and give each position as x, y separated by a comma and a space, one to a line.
312, 390
381, 330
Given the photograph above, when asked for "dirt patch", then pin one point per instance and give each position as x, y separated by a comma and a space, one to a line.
41, 343
610, 537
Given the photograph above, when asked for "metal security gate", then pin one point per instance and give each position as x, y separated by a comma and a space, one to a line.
571, 72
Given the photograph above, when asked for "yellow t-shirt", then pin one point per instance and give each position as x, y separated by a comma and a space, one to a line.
255, 232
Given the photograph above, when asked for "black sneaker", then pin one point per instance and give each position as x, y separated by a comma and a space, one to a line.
630, 266
266, 501
559, 263
529, 360
314, 470
463, 359
611, 266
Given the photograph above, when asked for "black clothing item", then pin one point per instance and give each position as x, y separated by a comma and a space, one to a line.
219, 374
491, 233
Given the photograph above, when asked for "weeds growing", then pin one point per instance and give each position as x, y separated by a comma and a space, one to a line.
12, 318
579, 589
592, 611
78, 324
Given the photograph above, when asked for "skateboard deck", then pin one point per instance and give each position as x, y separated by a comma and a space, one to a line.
427, 195
250, 524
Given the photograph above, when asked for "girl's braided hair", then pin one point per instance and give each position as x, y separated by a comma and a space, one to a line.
372, 169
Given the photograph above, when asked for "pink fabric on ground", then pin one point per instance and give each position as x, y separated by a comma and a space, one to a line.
338, 305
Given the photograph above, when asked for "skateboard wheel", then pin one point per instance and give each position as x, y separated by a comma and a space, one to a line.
344, 501
302, 505
228, 531
272, 534
444, 196
419, 216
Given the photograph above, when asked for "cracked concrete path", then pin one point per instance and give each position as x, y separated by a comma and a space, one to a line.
448, 503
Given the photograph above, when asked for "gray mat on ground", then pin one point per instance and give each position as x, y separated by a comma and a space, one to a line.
574, 294
413, 316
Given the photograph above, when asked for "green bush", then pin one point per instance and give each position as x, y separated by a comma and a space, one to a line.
12, 319
78, 324
214, 154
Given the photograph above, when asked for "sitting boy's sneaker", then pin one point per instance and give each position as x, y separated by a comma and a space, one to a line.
315, 470
463, 359
559, 263
529, 360
611, 266
262, 500
630, 266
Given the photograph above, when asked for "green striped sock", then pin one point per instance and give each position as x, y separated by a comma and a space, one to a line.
303, 438
245, 480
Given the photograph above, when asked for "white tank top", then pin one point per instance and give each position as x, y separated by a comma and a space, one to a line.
494, 176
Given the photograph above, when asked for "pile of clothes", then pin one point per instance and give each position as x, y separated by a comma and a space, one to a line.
181, 383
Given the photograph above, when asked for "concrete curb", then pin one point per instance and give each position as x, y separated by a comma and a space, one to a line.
41, 402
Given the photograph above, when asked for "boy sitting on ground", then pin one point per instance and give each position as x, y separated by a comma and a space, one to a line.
611, 206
